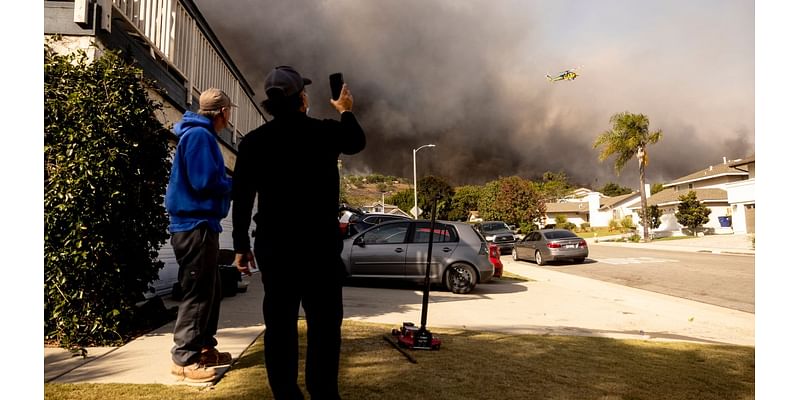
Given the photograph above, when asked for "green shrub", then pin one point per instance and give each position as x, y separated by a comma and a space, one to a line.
627, 223
586, 227
106, 169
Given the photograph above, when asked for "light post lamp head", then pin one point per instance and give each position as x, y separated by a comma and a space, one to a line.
422, 147
415, 210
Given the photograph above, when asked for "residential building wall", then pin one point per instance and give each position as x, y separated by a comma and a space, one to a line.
574, 217
714, 182
173, 45
741, 196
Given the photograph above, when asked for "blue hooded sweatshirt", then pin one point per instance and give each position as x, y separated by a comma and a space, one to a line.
199, 189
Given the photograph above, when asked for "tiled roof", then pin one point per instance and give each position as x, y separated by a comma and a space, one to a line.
744, 161
707, 173
668, 196
569, 206
610, 202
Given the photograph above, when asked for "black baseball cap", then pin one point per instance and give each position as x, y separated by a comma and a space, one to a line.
284, 81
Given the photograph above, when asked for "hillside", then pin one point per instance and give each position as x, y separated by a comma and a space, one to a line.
359, 192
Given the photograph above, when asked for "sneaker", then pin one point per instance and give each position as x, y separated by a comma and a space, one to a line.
194, 372
211, 357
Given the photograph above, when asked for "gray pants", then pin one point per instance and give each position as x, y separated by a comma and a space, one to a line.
198, 313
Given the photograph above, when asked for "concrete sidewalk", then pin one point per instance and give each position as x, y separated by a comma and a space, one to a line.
147, 358
576, 306
718, 244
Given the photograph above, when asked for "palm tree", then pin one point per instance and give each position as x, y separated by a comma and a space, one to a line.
629, 136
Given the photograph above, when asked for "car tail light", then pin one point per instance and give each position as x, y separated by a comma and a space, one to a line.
494, 251
582, 243
554, 245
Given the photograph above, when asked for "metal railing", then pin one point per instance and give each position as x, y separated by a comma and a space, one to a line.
175, 37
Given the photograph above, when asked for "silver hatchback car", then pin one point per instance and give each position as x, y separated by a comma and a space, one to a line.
399, 250
549, 245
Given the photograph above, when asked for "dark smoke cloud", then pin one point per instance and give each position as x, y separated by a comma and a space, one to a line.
468, 75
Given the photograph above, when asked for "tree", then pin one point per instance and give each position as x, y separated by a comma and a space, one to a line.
431, 187
403, 199
654, 214
554, 186
628, 137
513, 200
656, 188
691, 213
611, 189
107, 166
464, 200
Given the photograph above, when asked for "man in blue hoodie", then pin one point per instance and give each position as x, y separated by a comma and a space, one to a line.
198, 197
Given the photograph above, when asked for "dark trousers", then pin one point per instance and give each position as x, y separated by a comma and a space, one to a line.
198, 313
318, 287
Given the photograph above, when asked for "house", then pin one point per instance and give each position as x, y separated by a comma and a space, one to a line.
175, 47
585, 205
576, 212
742, 197
384, 208
728, 189
619, 207
719, 187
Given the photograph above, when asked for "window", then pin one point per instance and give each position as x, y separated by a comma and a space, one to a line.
559, 235
441, 233
387, 234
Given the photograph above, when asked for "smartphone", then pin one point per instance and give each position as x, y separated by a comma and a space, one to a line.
337, 80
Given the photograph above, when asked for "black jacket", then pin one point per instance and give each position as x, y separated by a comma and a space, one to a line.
291, 162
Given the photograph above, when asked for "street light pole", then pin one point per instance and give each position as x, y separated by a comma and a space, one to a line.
416, 210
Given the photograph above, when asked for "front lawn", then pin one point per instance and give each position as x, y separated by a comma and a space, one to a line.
480, 365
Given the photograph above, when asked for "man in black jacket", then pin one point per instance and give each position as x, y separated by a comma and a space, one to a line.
309, 182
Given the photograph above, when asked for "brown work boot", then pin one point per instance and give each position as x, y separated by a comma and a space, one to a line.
194, 372
211, 357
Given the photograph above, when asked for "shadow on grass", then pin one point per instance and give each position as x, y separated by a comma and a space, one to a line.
478, 365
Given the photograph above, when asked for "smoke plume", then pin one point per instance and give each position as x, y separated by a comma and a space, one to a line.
469, 76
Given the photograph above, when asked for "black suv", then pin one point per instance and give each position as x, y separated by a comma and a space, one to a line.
499, 233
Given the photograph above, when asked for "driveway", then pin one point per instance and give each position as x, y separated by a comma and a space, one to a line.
555, 303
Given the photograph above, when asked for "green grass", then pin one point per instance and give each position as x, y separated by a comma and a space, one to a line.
478, 365
600, 233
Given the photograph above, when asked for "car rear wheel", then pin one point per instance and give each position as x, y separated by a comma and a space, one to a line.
460, 278
514, 254
539, 259
580, 260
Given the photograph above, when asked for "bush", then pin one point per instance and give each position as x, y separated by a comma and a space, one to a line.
627, 223
586, 227
106, 169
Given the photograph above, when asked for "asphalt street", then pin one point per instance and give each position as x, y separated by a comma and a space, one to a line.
726, 280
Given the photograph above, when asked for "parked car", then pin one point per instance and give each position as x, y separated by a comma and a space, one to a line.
399, 249
546, 245
499, 233
359, 221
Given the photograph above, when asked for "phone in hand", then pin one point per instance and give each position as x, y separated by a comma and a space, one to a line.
337, 80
